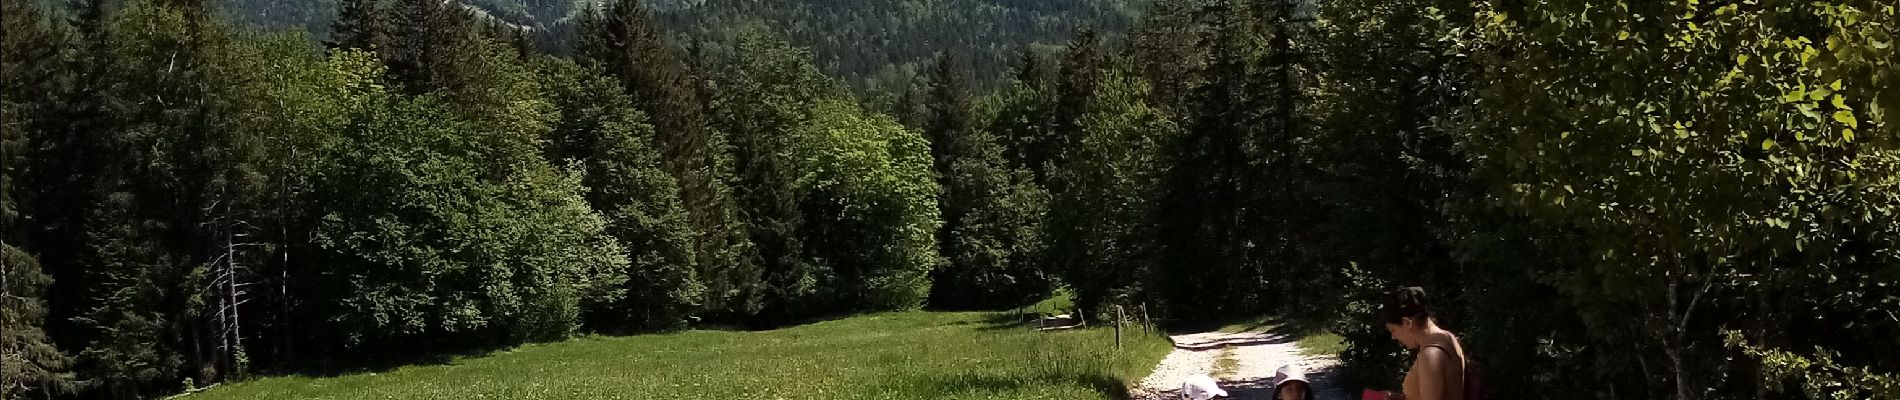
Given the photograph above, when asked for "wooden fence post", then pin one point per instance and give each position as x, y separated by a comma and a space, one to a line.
1118, 326
1146, 324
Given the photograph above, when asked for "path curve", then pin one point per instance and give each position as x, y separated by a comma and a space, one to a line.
1259, 354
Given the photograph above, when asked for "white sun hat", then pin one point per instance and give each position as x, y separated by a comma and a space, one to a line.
1289, 373
1201, 387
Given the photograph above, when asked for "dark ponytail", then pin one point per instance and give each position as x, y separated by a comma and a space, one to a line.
1406, 302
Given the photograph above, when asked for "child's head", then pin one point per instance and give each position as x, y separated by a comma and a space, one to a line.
1289, 383
1201, 387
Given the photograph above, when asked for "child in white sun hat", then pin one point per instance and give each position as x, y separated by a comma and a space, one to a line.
1289, 383
1201, 387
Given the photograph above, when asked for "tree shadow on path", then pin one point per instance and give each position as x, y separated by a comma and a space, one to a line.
1241, 341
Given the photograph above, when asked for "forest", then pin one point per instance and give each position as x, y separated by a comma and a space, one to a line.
1683, 199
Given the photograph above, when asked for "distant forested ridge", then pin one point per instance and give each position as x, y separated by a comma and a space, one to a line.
880, 45
885, 44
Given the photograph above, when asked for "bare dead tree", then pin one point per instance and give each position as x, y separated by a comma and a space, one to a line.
229, 285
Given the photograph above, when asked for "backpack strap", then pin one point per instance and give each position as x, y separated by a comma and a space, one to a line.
1453, 354
1473, 376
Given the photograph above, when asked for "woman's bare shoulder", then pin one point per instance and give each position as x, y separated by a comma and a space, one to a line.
1433, 354
1437, 356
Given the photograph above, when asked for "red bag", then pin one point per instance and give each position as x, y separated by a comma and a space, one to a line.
1474, 381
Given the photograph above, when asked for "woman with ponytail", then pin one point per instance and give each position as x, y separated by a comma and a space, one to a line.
1438, 369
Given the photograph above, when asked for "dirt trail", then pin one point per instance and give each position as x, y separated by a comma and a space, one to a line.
1259, 354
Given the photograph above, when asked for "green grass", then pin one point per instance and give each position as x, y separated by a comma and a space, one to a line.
1225, 365
1060, 303
1250, 324
1324, 343
1312, 341
880, 356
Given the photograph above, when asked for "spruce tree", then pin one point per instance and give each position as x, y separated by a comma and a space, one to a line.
30, 362
158, 237
66, 161
1032, 70
626, 44
1210, 181
33, 365
1024, 113
601, 131
1166, 48
950, 120
766, 95
1076, 77
424, 39
1101, 223
991, 211
1074, 91
359, 25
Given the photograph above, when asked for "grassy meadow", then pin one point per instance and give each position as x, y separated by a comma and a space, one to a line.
906, 355
1323, 344
1314, 340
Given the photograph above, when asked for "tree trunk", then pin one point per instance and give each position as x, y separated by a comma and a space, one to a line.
1675, 367
234, 345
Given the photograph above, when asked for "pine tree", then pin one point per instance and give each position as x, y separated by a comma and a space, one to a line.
1032, 70
424, 39
67, 160
1073, 97
1023, 117
1211, 179
990, 210
608, 137
765, 95
950, 122
359, 25
410, 45
1101, 224
626, 44
1166, 47
1284, 180
522, 39
1076, 77
30, 362
166, 253
133, 313
906, 107
89, 18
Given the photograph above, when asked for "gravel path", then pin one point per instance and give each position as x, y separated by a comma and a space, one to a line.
1259, 355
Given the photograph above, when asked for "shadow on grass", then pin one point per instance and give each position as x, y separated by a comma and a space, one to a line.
970, 383
1301, 327
337, 364
1179, 327
1006, 320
